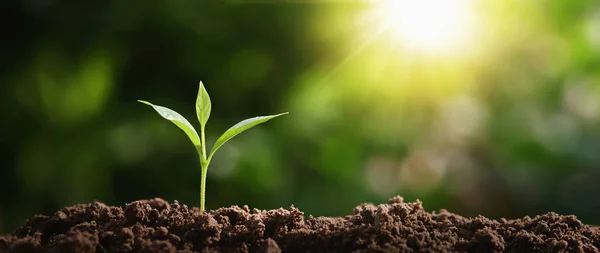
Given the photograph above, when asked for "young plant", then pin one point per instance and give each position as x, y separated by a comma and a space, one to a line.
203, 108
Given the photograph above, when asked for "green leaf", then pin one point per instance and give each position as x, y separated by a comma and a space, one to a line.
240, 127
203, 105
178, 120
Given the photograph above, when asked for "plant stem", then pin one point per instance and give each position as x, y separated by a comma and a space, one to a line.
204, 164
202, 187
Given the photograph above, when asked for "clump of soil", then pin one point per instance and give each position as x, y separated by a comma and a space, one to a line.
157, 226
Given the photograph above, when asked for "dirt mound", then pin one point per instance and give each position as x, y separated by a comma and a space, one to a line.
157, 226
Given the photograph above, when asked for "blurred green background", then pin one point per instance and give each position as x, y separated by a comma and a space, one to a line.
479, 107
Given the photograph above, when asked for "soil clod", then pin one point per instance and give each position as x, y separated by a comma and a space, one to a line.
158, 226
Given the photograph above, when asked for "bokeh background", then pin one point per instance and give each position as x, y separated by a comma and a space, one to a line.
479, 107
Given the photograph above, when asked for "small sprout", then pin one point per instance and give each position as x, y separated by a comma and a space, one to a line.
203, 108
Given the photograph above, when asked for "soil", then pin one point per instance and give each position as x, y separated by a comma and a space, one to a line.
157, 226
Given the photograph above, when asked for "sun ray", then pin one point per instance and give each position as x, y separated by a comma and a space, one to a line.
413, 28
367, 39
429, 26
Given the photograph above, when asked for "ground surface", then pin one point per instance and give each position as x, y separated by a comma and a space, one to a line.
157, 226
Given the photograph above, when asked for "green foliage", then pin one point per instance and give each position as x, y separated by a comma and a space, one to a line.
203, 108
239, 128
178, 120
203, 105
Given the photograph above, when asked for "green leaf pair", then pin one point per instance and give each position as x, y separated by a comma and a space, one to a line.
203, 108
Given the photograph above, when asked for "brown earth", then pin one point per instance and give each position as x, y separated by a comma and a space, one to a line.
157, 226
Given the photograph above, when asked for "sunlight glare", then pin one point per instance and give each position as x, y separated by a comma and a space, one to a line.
427, 25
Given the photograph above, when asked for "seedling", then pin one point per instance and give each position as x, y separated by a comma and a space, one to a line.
203, 108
